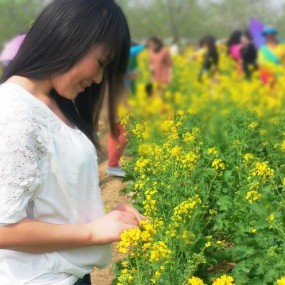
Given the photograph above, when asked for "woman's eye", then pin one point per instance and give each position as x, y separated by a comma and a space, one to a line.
101, 64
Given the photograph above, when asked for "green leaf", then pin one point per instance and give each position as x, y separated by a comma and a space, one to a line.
241, 252
224, 203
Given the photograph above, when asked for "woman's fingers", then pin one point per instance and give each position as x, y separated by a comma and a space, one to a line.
142, 217
128, 218
130, 209
129, 227
108, 228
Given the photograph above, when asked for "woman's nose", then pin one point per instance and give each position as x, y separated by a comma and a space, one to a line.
99, 76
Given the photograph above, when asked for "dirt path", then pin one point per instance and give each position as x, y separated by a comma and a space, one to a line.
110, 189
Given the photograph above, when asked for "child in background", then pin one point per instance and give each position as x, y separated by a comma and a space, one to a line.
211, 57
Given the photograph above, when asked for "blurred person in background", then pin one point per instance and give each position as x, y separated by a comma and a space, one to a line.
174, 48
116, 145
10, 50
210, 60
133, 71
198, 54
53, 227
248, 54
233, 47
160, 63
271, 57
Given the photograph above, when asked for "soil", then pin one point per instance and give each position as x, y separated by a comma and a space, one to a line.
111, 193
110, 189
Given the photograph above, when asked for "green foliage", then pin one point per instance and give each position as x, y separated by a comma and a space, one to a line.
225, 142
16, 16
192, 19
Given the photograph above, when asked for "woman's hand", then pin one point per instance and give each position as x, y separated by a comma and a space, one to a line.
128, 208
108, 228
35, 236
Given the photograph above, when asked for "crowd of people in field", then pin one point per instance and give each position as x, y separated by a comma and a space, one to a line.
248, 57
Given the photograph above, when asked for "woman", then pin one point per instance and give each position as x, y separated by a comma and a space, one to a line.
160, 62
116, 145
211, 58
248, 54
234, 46
53, 229
271, 57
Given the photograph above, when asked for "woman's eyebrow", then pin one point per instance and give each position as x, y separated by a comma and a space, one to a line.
107, 55
107, 58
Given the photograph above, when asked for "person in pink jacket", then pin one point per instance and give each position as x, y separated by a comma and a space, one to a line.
160, 62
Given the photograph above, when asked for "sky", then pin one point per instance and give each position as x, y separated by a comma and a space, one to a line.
276, 3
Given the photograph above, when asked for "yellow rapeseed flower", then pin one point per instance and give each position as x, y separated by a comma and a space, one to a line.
271, 218
218, 165
159, 251
129, 239
224, 280
253, 231
195, 281
252, 196
262, 170
188, 137
281, 281
248, 156
208, 244
253, 125
212, 150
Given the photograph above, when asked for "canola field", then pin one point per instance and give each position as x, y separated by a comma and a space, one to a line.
206, 166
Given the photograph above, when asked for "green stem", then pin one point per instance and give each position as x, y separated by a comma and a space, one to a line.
192, 271
139, 273
279, 229
210, 186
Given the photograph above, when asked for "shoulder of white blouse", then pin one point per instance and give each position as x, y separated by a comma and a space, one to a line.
19, 115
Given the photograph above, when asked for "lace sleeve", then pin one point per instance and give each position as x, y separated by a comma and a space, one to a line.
21, 149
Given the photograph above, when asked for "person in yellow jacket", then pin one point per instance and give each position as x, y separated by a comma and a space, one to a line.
271, 56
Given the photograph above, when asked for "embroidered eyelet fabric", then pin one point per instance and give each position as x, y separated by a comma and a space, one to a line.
48, 172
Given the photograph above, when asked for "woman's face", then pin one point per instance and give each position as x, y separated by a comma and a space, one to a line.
152, 45
271, 38
245, 39
88, 70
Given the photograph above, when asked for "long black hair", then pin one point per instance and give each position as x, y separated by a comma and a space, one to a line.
213, 54
156, 40
234, 39
62, 35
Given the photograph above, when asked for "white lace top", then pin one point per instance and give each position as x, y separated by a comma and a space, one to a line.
48, 172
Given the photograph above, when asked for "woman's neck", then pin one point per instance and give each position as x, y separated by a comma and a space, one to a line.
41, 90
38, 88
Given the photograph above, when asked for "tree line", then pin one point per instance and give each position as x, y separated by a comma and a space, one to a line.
179, 19
191, 19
